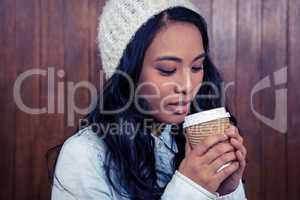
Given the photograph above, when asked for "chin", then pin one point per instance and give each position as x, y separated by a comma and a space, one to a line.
170, 118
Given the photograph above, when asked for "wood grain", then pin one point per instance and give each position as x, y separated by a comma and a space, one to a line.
205, 7
52, 61
223, 43
293, 139
8, 73
274, 57
27, 58
247, 76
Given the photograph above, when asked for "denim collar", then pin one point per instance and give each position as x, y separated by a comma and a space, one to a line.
169, 140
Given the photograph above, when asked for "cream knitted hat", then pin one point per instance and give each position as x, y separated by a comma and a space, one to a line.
121, 19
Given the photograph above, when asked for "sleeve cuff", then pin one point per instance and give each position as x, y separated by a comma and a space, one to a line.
238, 194
181, 187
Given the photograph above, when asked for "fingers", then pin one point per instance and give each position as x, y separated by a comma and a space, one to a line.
209, 142
222, 160
241, 160
239, 146
233, 132
236, 140
217, 151
227, 171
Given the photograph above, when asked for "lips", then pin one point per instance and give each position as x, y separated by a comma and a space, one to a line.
179, 107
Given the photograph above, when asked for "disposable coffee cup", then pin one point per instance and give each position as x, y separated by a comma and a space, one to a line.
203, 124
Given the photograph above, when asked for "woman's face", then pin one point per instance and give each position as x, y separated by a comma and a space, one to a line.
172, 71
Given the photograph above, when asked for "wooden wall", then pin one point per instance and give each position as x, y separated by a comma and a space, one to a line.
250, 40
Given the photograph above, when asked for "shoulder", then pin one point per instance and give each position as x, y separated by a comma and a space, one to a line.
84, 148
84, 140
79, 169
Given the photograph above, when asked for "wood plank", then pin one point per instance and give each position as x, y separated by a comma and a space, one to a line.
248, 70
8, 70
205, 7
95, 69
76, 34
274, 57
293, 139
53, 123
224, 35
27, 50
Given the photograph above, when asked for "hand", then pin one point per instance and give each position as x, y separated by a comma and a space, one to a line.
232, 182
203, 161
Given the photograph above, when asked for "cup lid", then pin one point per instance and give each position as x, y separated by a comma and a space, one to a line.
205, 116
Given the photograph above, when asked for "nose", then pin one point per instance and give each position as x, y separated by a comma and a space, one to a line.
184, 83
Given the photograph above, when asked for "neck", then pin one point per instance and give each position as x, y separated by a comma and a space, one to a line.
157, 127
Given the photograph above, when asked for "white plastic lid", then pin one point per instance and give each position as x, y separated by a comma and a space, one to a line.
205, 116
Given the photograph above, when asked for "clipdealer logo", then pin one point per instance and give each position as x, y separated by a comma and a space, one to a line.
66, 92
72, 108
279, 122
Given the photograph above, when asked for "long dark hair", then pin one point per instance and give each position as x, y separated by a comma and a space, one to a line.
130, 168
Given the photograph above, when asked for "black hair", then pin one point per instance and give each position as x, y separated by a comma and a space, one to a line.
130, 168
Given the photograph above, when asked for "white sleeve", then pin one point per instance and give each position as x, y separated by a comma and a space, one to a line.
238, 194
181, 187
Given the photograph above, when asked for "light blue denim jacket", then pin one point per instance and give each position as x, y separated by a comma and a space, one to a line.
80, 175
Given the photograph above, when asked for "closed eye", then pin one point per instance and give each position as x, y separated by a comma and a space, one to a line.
165, 72
197, 69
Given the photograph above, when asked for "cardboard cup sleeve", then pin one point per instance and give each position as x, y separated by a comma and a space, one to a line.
204, 124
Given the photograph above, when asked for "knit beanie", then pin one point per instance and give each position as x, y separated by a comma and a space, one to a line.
121, 19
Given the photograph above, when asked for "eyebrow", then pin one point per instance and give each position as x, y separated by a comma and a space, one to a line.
179, 60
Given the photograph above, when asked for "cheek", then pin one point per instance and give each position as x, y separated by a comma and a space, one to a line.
197, 82
158, 93
151, 89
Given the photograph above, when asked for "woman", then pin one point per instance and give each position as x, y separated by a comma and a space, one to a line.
155, 56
